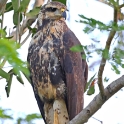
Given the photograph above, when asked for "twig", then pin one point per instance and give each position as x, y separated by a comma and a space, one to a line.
97, 120
109, 4
97, 102
38, 3
2, 63
2, 18
25, 39
103, 61
105, 2
122, 5
2, 4
18, 26
27, 22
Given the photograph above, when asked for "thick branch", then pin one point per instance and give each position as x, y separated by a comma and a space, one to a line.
103, 61
97, 102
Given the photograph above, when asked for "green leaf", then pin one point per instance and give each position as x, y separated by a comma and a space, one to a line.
9, 82
77, 48
33, 12
4, 74
88, 29
89, 82
92, 24
9, 7
15, 5
3, 114
19, 78
62, 1
23, 6
3, 32
115, 68
19, 121
84, 56
91, 90
105, 53
115, 4
15, 17
8, 52
31, 117
9, 37
33, 30
27, 76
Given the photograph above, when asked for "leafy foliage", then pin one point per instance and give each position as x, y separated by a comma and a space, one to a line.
9, 53
31, 117
28, 118
20, 120
9, 7
90, 85
4, 115
23, 6
92, 24
77, 48
116, 59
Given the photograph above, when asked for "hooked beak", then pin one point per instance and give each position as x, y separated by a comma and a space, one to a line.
63, 13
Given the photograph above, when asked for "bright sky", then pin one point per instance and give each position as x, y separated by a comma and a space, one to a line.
21, 98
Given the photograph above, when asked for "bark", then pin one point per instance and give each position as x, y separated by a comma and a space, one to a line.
2, 5
104, 60
98, 101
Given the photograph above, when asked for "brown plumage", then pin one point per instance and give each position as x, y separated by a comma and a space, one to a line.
58, 75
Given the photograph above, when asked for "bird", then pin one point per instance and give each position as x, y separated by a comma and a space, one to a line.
58, 74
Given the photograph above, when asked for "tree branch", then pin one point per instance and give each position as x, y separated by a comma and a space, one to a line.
103, 61
97, 120
38, 3
97, 102
27, 22
105, 2
2, 5
122, 5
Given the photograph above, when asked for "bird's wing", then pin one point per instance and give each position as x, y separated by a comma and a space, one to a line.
39, 101
75, 69
40, 105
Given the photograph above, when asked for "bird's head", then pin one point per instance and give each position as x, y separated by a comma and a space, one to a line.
52, 11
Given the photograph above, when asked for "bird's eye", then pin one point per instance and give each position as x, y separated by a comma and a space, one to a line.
51, 9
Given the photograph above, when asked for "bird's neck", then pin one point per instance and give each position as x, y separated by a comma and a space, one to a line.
52, 25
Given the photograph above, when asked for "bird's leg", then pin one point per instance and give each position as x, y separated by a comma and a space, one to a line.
48, 109
56, 121
60, 112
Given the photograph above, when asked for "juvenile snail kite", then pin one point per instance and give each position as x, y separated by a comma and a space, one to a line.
58, 75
